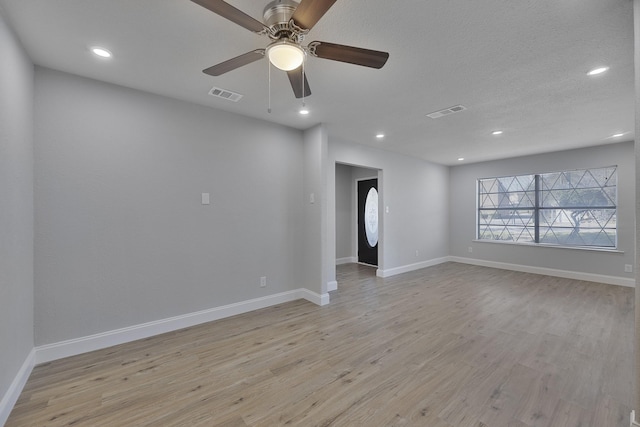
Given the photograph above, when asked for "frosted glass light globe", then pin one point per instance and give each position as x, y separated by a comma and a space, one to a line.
285, 55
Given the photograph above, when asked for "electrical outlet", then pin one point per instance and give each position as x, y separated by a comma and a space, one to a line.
628, 268
417, 253
263, 282
470, 249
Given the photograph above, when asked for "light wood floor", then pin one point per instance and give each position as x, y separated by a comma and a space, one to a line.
450, 345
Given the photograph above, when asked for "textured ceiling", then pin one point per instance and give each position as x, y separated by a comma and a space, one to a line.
517, 65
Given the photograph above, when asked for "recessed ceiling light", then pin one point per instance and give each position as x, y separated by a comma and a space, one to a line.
460, 159
617, 135
380, 135
597, 71
496, 132
101, 52
303, 111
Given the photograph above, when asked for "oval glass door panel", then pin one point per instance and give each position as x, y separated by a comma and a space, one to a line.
371, 217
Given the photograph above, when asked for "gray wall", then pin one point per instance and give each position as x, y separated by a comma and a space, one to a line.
16, 207
416, 193
344, 208
121, 236
463, 211
312, 275
636, 24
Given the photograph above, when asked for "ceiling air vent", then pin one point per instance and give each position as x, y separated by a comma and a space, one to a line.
446, 111
225, 94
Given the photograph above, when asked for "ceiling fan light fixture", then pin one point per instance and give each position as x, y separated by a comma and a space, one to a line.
285, 55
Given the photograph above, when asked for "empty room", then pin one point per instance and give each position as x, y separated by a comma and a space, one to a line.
319, 213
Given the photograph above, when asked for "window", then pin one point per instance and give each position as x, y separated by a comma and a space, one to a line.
569, 208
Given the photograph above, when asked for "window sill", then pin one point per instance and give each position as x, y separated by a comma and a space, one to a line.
542, 245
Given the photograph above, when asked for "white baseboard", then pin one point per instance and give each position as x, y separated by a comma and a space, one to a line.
72, 347
11, 396
411, 267
313, 297
332, 286
346, 260
589, 277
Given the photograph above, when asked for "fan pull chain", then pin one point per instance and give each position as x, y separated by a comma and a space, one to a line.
303, 75
269, 108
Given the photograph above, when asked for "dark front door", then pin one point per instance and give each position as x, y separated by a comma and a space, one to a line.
368, 221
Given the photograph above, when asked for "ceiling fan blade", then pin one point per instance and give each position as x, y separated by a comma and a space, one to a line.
295, 77
352, 55
234, 63
309, 12
225, 10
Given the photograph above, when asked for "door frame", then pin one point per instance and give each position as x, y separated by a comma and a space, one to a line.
355, 208
329, 261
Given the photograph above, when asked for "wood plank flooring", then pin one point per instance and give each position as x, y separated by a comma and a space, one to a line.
448, 346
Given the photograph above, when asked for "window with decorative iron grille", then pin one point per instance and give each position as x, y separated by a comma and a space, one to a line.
567, 208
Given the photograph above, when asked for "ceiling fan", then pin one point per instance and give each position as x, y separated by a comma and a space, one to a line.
286, 23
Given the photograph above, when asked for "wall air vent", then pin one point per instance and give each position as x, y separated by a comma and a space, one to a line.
225, 94
446, 111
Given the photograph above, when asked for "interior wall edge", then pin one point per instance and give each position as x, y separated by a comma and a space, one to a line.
15, 389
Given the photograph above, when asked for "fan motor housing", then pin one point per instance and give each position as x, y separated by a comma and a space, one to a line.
277, 15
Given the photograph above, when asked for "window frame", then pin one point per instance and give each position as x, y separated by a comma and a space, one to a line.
536, 207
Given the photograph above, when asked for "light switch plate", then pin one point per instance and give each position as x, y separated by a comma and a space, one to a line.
206, 199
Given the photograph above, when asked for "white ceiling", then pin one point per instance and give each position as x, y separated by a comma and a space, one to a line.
517, 65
